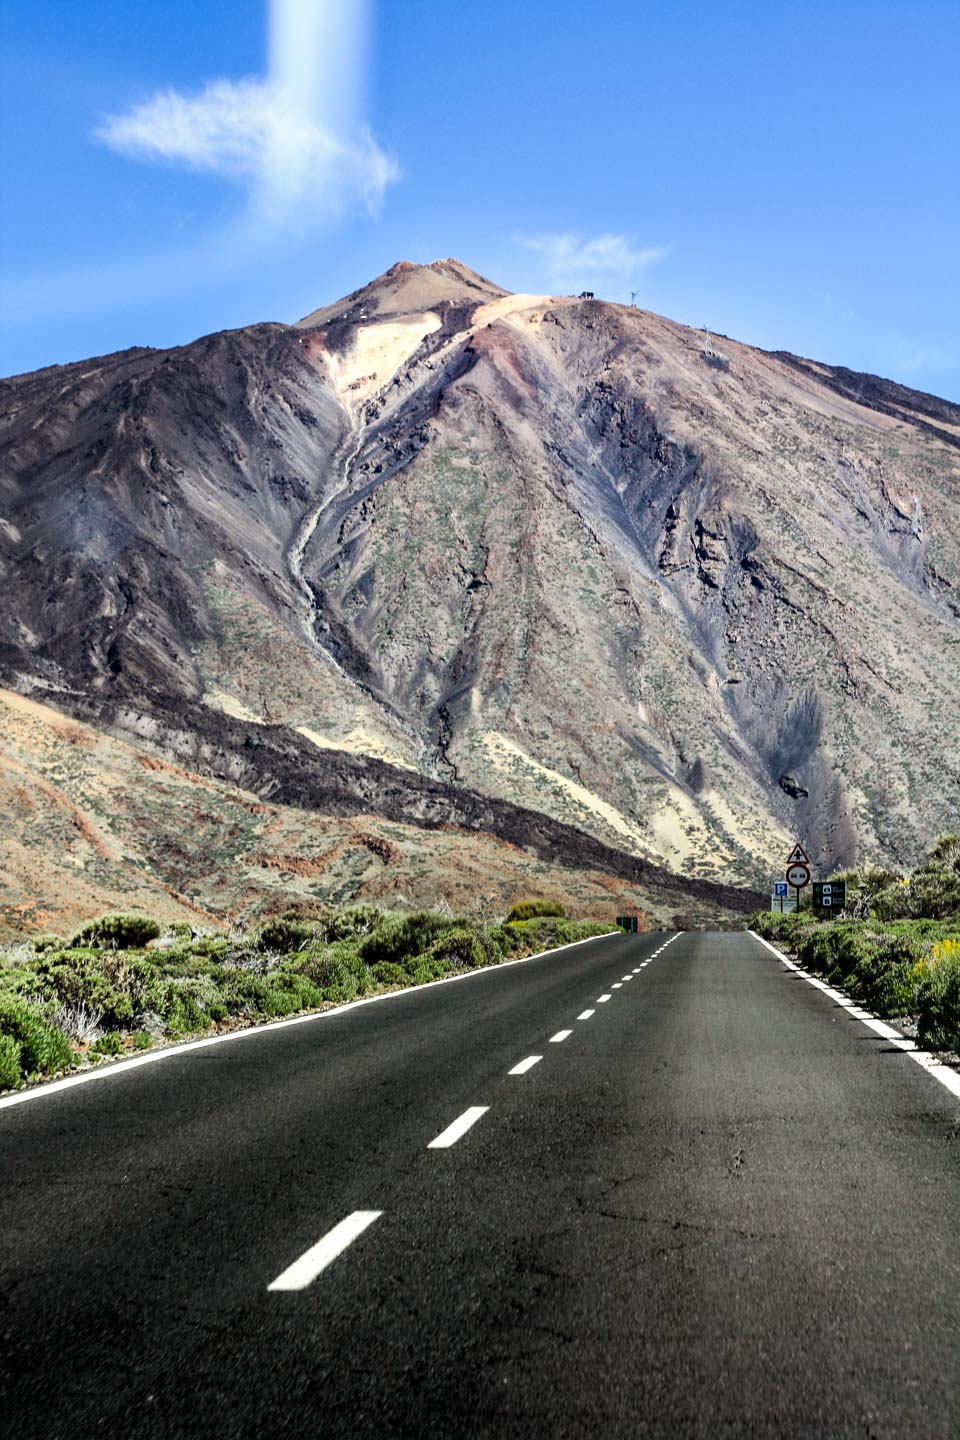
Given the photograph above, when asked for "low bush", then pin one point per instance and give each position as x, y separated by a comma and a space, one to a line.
11, 1071
461, 948
142, 1039
109, 1044
285, 934
115, 985
43, 1049
352, 923
938, 999
404, 938
117, 932
530, 909
387, 973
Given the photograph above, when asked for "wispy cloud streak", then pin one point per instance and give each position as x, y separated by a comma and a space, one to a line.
571, 258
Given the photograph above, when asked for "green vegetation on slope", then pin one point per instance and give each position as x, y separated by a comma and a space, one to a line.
896, 948
120, 985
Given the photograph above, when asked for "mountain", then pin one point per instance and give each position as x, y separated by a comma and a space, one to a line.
447, 549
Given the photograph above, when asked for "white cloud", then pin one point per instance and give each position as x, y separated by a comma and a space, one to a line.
570, 257
250, 131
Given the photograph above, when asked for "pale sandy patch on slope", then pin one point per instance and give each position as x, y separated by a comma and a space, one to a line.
377, 353
230, 705
357, 742
502, 751
508, 305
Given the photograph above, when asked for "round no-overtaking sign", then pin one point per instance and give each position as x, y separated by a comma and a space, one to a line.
798, 876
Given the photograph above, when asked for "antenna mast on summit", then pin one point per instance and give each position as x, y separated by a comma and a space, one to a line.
633, 298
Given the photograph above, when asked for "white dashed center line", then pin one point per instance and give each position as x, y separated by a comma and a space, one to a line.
452, 1134
560, 1035
602, 999
299, 1275
525, 1065
616, 985
585, 1014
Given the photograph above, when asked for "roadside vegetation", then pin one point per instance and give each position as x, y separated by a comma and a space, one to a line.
122, 984
896, 947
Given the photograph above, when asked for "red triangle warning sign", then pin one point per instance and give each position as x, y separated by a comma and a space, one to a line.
798, 856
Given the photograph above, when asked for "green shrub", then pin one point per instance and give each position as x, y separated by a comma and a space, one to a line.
530, 909
459, 948
354, 922
115, 985
142, 1040
424, 968
209, 946
938, 1004
303, 992
284, 934
11, 1070
817, 947
386, 973
183, 1014
43, 1048
402, 939
109, 1044
945, 854
117, 932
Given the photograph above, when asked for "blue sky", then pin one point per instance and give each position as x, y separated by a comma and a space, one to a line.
783, 172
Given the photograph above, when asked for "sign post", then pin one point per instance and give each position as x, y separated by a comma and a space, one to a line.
798, 870
829, 896
781, 901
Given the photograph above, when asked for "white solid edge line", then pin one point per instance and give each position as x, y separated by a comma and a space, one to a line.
460, 1126
560, 1035
585, 1014
948, 1078
525, 1065
123, 1067
299, 1275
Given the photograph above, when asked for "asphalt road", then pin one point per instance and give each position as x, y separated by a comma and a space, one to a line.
718, 1207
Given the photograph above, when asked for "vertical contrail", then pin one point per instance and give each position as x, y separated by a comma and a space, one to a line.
317, 59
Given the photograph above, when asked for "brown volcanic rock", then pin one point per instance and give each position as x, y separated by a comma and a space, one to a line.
542, 550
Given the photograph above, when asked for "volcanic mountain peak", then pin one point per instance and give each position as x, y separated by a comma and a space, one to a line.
550, 552
407, 288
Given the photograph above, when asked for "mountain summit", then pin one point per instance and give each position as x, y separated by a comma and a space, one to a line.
674, 593
406, 288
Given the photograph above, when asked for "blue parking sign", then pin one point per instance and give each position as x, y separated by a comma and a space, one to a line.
780, 888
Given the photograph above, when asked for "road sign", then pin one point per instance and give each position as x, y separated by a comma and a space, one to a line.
780, 887
798, 875
829, 894
798, 856
783, 904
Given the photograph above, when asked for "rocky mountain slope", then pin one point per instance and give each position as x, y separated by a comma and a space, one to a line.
94, 824
672, 592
